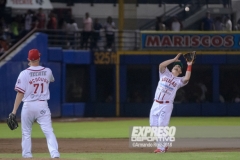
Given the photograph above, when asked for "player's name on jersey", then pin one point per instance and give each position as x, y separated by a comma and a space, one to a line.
38, 73
38, 79
169, 81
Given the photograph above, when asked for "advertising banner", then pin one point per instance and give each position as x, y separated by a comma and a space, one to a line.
171, 40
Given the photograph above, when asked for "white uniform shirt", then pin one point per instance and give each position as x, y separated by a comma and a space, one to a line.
229, 25
34, 83
71, 28
110, 28
176, 26
28, 22
167, 86
87, 24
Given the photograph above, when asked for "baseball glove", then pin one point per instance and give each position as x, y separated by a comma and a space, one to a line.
190, 56
12, 122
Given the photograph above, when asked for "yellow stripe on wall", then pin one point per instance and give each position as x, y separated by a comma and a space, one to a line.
118, 86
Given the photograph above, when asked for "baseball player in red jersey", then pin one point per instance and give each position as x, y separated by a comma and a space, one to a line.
32, 88
168, 85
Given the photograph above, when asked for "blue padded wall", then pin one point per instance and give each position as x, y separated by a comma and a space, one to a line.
105, 110
8, 76
214, 109
55, 89
233, 109
136, 109
214, 59
77, 57
73, 109
233, 59
55, 54
67, 109
188, 109
79, 109
37, 41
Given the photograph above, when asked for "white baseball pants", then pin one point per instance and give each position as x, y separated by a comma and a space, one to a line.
160, 115
39, 111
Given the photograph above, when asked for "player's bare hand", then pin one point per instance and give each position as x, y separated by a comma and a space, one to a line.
190, 63
176, 59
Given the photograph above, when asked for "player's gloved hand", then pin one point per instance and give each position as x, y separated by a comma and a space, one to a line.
12, 122
190, 56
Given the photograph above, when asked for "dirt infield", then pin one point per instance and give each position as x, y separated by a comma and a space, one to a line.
110, 146
102, 146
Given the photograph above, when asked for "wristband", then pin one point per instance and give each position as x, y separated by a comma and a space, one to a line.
189, 68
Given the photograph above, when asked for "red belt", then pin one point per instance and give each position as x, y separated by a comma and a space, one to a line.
161, 102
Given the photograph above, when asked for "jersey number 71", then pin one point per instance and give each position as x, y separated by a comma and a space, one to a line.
36, 87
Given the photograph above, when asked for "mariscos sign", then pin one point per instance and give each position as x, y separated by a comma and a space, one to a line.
178, 41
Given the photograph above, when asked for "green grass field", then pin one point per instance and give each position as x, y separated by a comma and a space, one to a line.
120, 129
138, 156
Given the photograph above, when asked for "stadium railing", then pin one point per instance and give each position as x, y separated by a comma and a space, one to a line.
123, 40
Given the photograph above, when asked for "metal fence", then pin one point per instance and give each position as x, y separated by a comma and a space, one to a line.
119, 40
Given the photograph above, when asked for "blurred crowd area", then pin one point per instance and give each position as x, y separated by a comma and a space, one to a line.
13, 29
218, 23
18, 25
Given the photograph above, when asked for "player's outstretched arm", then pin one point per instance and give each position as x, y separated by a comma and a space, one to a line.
164, 64
17, 102
188, 72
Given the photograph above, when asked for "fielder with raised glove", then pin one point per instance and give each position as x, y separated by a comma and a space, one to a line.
169, 82
12, 122
190, 56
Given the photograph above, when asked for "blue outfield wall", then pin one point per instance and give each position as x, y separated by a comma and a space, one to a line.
57, 59
142, 110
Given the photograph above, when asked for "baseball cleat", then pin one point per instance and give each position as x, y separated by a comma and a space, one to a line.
161, 151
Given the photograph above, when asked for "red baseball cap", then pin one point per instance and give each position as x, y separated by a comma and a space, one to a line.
33, 55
